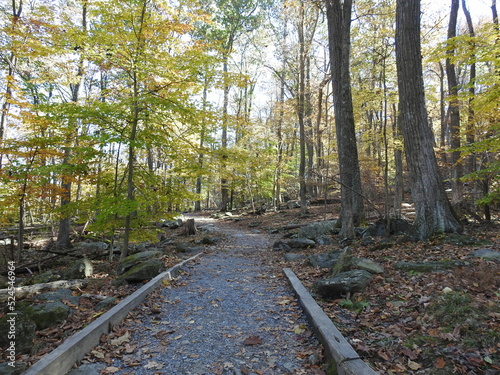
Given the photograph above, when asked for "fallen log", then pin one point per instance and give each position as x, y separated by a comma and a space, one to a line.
30, 290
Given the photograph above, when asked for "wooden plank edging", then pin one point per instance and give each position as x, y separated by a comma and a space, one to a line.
337, 348
60, 360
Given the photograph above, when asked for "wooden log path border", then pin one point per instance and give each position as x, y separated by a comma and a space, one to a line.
60, 360
337, 348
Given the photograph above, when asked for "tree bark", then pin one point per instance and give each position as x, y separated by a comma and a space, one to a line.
64, 231
190, 228
456, 167
433, 210
301, 113
339, 32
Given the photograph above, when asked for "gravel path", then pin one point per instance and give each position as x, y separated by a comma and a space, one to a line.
227, 314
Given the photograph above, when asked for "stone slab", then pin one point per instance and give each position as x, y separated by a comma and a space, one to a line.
337, 348
60, 360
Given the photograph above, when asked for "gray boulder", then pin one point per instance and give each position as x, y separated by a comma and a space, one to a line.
323, 240
315, 230
17, 369
379, 228
143, 271
173, 224
80, 269
59, 295
91, 247
281, 246
48, 314
105, 304
301, 243
45, 277
367, 265
344, 262
134, 259
186, 247
435, 266
487, 254
325, 260
346, 282
24, 329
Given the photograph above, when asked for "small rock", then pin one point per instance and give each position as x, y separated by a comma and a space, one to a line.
134, 259
185, 247
367, 265
315, 230
281, 246
58, 295
208, 240
313, 359
345, 282
344, 262
143, 271
104, 304
80, 269
17, 369
25, 332
325, 260
301, 243
48, 314
91, 247
487, 254
45, 277
430, 266
323, 240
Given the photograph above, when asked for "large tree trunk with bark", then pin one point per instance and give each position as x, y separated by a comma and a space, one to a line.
434, 213
339, 26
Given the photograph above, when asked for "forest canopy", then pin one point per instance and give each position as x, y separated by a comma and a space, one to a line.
117, 114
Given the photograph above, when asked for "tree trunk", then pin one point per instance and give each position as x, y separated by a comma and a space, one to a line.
199, 182
456, 167
224, 187
433, 210
469, 135
398, 166
134, 110
301, 113
339, 31
190, 228
63, 235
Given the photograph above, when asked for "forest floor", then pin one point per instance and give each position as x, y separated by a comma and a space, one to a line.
403, 323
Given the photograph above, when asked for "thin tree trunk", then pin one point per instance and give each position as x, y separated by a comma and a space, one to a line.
199, 179
17, 10
470, 132
456, 167
63, 235
301, 113
224, 182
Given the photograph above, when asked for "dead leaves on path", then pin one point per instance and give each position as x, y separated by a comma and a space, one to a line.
252, 340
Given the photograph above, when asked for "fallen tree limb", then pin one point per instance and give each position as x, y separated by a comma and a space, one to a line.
31, 290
